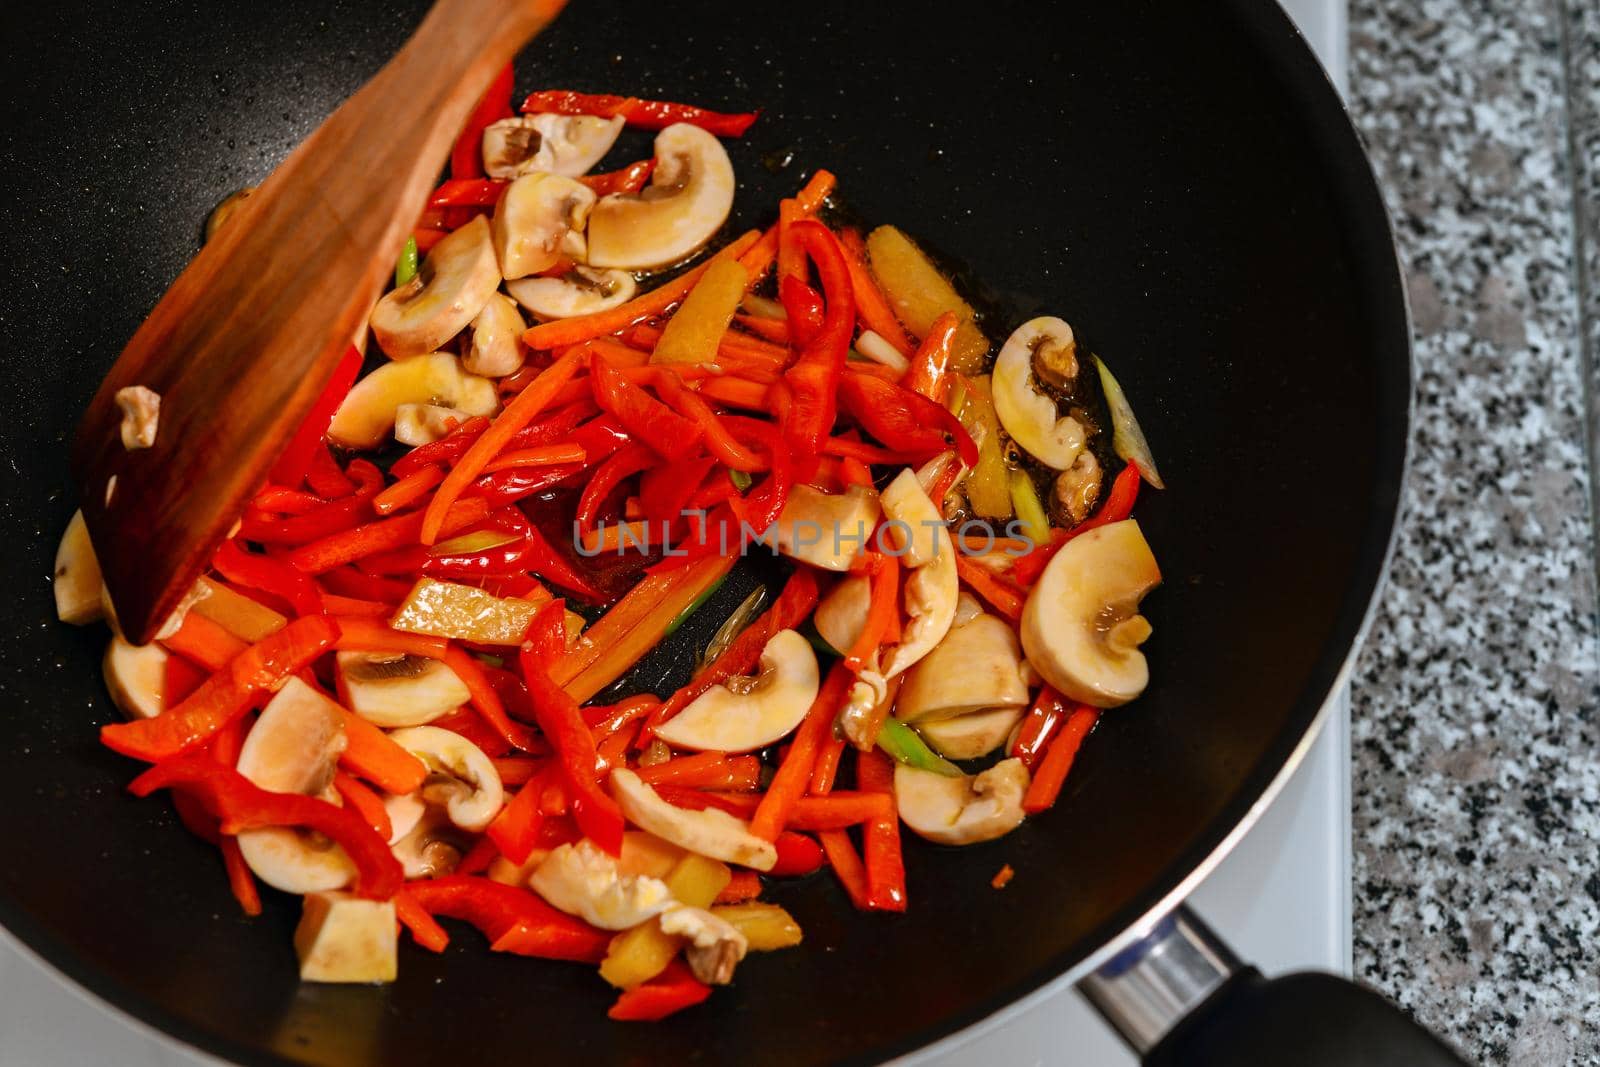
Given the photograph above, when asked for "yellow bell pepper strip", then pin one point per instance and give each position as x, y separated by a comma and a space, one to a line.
642, 114
766, 926
597, 815
639, 954
241, 805
986, 486
919, 294
1030, 510
517, 414
697, 327
226, 695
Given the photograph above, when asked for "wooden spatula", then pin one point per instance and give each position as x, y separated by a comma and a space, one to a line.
244, 341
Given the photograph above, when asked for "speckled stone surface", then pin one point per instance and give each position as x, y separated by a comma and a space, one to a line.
1476, 740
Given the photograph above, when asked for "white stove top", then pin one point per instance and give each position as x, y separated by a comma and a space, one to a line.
1281, 898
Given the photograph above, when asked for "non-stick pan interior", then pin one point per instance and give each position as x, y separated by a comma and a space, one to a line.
1176, 180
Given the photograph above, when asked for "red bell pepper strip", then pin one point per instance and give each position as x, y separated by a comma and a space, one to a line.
509, 486
327, 520
325, 477
468, 192
668, 993
425, 931
1038, 727
880, 837
642, 114
1052, 773
743, 886
665, 491
515, 830
649, 420
797, 855
903, 420
558, 716
791, 608
487, 702
1117, 507
929, 373
466, 158
400, 531
794, 774
268, 575
365, 803
444, 451
718, 440
350, 582
629, 179
240, 878
241, 805
226, 695
204, 642
278, 500
291, 466
528, 925
624, 464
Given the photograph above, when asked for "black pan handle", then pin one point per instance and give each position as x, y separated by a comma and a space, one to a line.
1180, 998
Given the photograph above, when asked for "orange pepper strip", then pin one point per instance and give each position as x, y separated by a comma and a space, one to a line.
332, 604
408, 490
1046, 785
794, 775
370, 753
759, 258
519, 413
929, 373
365, 802
742, 887
370, 635
543, 456
827, 768
881, 609
736, 392
872, 307
706, 770
204, 642
874, 720
562, 332
885, 865
1001, 594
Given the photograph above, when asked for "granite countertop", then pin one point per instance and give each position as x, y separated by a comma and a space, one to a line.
1476, 733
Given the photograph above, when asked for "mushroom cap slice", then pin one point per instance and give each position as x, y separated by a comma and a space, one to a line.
293, 748
580, 291
1028, 415
368, 411
423, 424
842, 612
461, 776
432, 848
977, 665
533, 219
965, 810
450, 288
715, 946
972, 735
687, 201
135, 676
496, 349
1081, 628
751, 712
391, 690
580, 879
826, 530
77, 576
556, 144
932, 587
711, 832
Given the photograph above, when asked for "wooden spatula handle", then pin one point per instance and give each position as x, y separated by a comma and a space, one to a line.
245, 340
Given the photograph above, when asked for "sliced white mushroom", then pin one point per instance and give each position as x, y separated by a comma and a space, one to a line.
827, 530
712, 833
535, 220
581, 879
369, 410
432, 848
977, 665
77, 582
496, 349
423, 424
136, 675
972, 735
687, 201
1027, 414
917, 530
965, 810
555, 144
405, 811
294, 748
450, 288
141, 414
461, 778
580, 291
391, 689
715, 946
343, 938
1081, 627
751, 712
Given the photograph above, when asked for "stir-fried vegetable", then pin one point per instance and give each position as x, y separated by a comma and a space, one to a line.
428, 746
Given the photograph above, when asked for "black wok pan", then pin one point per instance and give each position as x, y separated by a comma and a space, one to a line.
1178, 180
